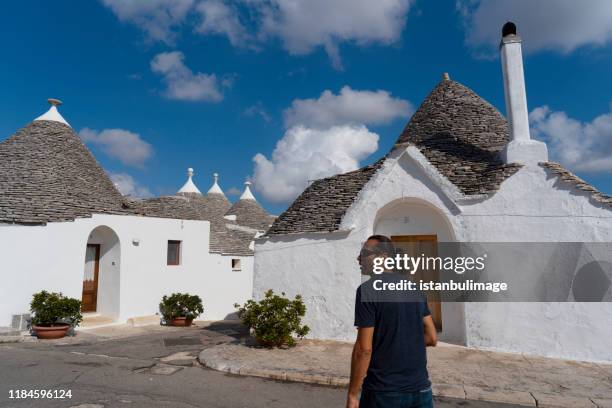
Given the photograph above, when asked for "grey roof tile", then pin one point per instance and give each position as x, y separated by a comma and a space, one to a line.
249, 213
462, 135
570, 178
194, 206
321, 206
458, 132
48, 175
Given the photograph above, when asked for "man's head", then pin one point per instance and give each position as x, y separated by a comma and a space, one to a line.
375, 246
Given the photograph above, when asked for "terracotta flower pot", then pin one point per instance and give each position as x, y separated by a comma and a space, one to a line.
181, 321
56, 331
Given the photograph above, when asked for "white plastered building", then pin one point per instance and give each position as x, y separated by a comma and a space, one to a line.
65, 227
459, 172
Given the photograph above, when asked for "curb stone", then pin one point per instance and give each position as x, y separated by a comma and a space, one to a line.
17, 339
262, 373
448, 390
558, 401
602, 403
209, 359
217, 360
499, 395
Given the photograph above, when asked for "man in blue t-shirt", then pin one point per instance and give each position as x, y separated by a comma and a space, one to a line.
393, 331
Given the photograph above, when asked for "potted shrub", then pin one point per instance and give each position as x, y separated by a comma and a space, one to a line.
53, 314
179, 309
275, 319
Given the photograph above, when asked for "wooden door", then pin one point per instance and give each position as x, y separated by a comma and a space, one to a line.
89, 299
414, 246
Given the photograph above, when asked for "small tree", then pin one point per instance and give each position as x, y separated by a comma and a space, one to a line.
181, 305
274, 319
49, 309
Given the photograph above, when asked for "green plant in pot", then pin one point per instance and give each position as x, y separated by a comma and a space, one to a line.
179, 309
274, 319
53, 314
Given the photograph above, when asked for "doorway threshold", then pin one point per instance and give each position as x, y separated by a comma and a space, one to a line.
96, 320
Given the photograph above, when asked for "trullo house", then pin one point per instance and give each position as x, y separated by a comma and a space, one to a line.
65, 227
459, 172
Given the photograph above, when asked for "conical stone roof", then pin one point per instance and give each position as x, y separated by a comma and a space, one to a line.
47, 175
249, 212
458, 132
462, 135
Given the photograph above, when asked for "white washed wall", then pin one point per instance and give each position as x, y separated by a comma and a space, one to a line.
530, 206
52, 257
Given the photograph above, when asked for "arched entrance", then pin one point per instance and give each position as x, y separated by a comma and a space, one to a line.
416, 226
102, 272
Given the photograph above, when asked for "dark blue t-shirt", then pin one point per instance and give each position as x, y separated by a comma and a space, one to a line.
399, 358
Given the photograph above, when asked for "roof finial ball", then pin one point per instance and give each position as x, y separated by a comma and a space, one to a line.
190, 172
54, 102
445, 76
509, 29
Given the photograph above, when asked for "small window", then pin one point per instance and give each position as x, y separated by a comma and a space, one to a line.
236, 265
174, 252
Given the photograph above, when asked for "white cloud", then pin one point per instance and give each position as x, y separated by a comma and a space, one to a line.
258, 110
561, 25
300, 25
581, 146
128, 186
157, 18
348, 107
128, 147
324, 136
219, 18
233, 191
303, 25
182, 83
305, 154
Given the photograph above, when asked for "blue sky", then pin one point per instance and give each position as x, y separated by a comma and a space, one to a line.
320, 87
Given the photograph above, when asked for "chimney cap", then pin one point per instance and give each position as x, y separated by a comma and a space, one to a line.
509, 29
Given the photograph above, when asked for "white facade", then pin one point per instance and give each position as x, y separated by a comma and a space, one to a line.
409, 196
133, 272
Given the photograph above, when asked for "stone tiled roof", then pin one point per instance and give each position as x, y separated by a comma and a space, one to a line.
249, 213
461, 135
457, 131
195, 206
164, 207
321, 206
48, 175
570, 178
212, 207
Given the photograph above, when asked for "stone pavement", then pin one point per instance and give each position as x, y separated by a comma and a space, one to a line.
456, 372
155, 367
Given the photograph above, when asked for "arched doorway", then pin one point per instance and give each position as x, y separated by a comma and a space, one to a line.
416, 227
101, 273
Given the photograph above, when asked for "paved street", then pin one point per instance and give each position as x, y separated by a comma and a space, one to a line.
155, 368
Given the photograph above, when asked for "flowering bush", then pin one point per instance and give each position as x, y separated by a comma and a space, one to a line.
181, 305
275, 319
53, 308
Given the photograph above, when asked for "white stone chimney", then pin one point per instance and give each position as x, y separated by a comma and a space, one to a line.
521, 149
